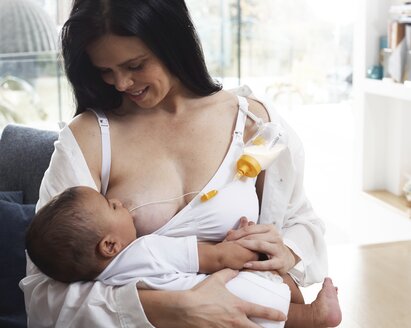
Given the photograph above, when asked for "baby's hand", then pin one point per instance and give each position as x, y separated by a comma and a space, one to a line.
243, 223
226, 254
234, 256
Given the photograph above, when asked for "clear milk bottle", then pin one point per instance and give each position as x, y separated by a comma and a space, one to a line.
261, 150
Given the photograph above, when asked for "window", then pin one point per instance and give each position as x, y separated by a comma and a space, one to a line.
296, 52
32, 84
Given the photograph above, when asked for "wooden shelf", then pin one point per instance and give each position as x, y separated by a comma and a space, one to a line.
397, 202
388, 89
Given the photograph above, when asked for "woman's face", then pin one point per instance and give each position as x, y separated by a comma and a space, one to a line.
129, 65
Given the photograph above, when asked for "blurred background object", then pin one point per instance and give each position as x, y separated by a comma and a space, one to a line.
30, 74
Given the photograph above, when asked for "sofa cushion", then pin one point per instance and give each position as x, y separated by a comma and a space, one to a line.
12, 196
25, 156
14, 219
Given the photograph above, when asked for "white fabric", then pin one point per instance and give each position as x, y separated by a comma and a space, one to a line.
156, 262
252, 287
105, 149
166, 263
53, 304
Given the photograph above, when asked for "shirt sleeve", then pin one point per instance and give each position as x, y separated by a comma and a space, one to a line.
303, 231
54, 304
154, 259
286, 205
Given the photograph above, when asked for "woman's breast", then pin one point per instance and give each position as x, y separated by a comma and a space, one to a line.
152, 195
152, 217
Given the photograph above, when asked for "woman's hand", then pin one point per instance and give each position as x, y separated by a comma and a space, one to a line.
219, 308
264, 238
207, 305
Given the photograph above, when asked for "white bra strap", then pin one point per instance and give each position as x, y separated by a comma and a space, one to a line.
241, 118
105, 149
243, 104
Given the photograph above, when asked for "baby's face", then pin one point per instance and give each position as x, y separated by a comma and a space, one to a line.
111, 215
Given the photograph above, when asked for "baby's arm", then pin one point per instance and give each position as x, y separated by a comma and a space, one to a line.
215, 257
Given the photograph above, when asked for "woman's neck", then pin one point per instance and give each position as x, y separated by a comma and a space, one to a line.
177, 100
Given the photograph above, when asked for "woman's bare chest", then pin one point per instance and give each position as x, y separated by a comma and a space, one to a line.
156, 168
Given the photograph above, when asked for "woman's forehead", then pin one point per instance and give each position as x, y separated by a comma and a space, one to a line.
115, 50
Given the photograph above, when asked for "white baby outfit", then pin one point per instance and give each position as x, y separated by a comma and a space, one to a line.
167, 263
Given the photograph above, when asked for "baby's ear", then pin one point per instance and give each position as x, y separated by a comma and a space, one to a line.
109, 247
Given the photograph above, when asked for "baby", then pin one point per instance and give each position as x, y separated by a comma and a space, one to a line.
81, 236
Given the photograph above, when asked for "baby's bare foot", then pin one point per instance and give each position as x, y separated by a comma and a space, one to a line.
327, 312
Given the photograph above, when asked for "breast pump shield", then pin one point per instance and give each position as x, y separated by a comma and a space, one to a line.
261, 150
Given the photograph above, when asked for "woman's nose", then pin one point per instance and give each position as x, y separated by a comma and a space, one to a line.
123, 82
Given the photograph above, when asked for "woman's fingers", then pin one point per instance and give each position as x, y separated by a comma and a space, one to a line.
222, 276
254, 310
260, 246
279, 257
268, 265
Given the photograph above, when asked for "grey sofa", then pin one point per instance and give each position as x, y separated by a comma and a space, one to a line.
24, 156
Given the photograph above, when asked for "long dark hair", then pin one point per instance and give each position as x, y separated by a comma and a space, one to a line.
164, 26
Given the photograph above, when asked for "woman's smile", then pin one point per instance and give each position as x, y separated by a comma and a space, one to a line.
139, 95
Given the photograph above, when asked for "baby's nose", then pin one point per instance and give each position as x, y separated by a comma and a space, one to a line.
116, 202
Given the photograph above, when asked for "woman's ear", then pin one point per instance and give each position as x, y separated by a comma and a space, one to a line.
108, 247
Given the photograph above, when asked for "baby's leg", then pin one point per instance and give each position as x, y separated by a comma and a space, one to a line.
296, 295
323, 312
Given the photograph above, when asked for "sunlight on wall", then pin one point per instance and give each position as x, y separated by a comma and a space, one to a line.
334, 11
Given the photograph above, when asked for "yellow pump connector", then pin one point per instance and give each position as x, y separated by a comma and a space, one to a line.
208, 195
248, 166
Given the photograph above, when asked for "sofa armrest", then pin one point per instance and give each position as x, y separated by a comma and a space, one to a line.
25, 154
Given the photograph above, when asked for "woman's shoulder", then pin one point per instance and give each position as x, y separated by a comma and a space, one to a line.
258, 109
86, 131
254, 105
85, 127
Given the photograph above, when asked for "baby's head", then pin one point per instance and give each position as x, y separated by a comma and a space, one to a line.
75, 235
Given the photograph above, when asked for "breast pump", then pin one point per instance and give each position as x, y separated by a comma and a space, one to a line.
258, 154
261, 150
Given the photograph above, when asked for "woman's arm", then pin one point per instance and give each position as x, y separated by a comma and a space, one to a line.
301, 228
207, 305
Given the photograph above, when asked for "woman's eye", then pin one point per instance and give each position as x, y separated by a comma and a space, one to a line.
104, 71
136, 68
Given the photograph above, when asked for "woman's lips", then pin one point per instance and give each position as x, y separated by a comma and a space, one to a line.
138, 95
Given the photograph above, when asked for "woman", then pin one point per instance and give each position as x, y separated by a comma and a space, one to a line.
171, 126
